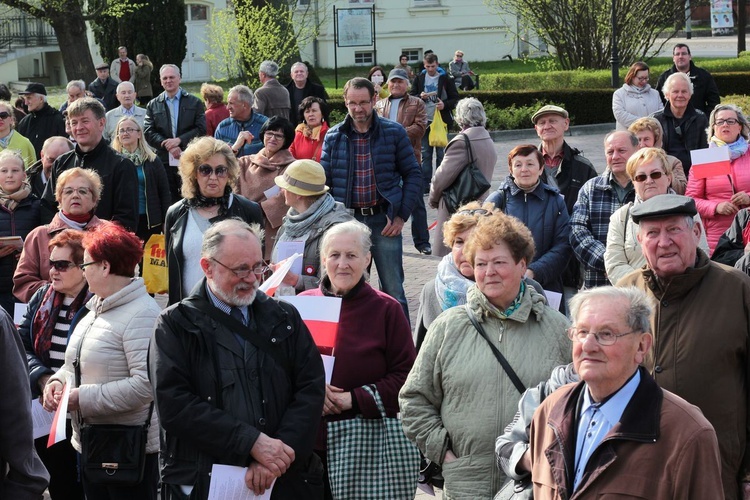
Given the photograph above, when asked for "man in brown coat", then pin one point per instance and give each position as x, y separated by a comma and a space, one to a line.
616, 433
700, 328
271, 98
410, 112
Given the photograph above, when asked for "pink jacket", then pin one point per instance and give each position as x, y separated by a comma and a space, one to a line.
33, 267
711, 191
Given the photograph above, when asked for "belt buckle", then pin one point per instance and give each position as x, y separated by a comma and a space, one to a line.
367, 211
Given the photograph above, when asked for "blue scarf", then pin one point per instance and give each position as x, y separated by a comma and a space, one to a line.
736, 149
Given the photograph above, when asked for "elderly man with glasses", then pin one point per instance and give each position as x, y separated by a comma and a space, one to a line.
617, 433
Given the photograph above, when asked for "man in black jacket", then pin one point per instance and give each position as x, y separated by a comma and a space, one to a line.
237, 378
119, 197
705, 92
173, 119
43, 121
104, 88
300, 87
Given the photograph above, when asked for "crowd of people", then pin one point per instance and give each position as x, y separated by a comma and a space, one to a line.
631, 386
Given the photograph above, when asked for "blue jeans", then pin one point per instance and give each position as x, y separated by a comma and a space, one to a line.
427, 156
419, 232
387, 253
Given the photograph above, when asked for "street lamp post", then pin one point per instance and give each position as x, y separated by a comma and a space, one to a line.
615, 59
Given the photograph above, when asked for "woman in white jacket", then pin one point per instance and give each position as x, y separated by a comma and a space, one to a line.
113, 342
635, 99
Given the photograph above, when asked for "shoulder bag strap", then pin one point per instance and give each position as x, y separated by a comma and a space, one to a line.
248, 334
504, 362
468, 147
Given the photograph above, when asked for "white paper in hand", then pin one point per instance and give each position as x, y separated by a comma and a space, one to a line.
271, 284
228, 483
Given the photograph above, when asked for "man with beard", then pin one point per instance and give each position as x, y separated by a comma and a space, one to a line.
242, 368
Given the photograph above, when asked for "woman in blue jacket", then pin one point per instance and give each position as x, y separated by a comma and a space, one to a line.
542, 209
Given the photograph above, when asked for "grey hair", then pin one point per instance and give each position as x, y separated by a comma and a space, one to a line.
57, 138
633, 138
667, 88
126, 84
470, 113
299, 64
12, 154
244, 93
353, 227
639, 306
76, 83
270, 68
215, 234
745, 131
173, 66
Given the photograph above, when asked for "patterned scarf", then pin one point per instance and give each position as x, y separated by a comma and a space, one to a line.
136, 156
736, 149
5, 141
11, 200
200, 201
309, 132
488, 309
450, 284
45, 318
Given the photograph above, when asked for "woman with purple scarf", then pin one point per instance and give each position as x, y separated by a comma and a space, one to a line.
718, 198
50, 319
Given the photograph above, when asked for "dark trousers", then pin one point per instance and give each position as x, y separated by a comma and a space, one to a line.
145, 490
62, 463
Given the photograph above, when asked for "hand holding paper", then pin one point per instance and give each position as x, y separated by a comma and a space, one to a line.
271, 284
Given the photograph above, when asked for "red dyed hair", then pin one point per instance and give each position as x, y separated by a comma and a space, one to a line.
71, 238
111, 242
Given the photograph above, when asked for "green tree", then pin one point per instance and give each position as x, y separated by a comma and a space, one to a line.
581, 30
155, 28
68, 19
223, 57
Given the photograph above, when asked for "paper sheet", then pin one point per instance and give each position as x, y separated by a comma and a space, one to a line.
18, 311
427, 488
41, 418
57, 430
285, 249
328, 366
553, 299
228, 483
271, 192
173, 162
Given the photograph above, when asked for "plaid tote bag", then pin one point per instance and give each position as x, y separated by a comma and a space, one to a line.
371, 458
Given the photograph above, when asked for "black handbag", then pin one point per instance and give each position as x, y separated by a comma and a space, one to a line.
112, 454
468, 186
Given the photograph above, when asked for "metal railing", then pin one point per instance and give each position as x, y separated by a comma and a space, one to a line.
25, 31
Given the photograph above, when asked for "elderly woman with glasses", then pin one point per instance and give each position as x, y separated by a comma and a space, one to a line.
458, 398
649, 133
153, 187
684, 126
719, 197
542, 209
10, 138
209, 171
77, 193
651, 174
50, 318
635, 99
257, 173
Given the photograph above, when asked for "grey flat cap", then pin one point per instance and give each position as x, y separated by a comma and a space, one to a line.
663, 205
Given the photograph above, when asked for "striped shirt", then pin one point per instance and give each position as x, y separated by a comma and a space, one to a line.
60, 336
364, 191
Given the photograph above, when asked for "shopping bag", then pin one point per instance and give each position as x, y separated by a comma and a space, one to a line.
155, 272
438, 131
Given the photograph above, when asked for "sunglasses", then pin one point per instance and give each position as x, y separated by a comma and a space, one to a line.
4, 115
207, 170
654, 175
86, 264
61, 265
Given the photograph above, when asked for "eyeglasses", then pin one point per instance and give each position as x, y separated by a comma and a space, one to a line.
81, 191
207, 170
4, 115
61, 265
654, 175
729, 121
475, 211
127, 131
86, 264
259, 269
273, 135
603, 338
355, 105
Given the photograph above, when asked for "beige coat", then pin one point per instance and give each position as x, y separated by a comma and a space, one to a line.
115, 388
455, 159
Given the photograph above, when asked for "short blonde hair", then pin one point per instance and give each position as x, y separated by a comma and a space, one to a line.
197, 153
649, 124
212, 93
499, 228
647, 155
12, 154
463, 220
95, 182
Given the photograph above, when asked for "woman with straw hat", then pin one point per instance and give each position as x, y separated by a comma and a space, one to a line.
312, 211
